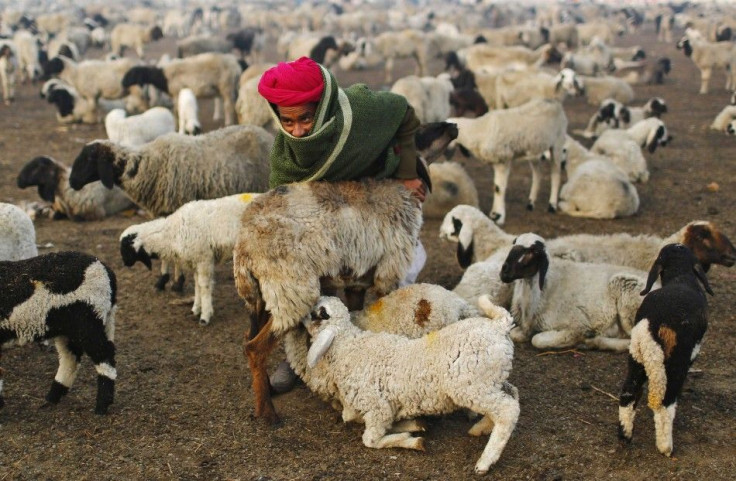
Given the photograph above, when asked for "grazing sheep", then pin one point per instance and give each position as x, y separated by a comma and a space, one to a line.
665, 341
69, 297
382, 377
17, 235
598, 89
561, 303
597, 189
165, 174
207, 74
138, 129
515, 88
130, 35
451, 186
93, 202
195, 237
188, 112
707, 56
405, 43
495, 138
349, 234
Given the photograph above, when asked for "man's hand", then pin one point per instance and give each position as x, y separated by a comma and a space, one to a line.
417, 187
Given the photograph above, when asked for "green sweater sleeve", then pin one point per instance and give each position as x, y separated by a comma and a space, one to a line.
406, 146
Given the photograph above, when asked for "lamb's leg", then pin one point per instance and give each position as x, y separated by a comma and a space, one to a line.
536, 176
704, 80
164, 278
178, 284
229, 107
389, 69
504, 412
408, 426
102, 353
69, 357
556, 339
482, 427
558, 157
664, 418
501, 172
205, 281
629, 398
377, 424
257, 348
217, 115
608, 343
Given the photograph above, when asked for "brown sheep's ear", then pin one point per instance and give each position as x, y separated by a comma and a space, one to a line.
700, 273
652, 277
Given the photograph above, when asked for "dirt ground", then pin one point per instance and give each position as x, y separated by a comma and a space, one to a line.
183, 407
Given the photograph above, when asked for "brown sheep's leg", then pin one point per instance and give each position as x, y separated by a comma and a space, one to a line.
257, 350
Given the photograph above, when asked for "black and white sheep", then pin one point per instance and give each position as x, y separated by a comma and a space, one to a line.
383, 377
136, 36
707, 56
17, 234
170, 171
93, 202
69, 297
666, 339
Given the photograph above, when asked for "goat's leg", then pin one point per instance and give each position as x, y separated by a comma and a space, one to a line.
629, 398
257, 350
501, 172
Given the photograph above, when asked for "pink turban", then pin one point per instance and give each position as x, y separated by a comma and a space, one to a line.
292, 83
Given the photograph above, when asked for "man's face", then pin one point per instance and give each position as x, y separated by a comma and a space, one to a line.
297, 120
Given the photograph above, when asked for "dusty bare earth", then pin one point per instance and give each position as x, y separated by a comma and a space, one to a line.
184, 409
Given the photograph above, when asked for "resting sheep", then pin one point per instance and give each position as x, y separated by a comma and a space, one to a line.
195, 237
139, 129
69, 297
665, 341
597, 189
382, 377
93, 202
597, 89
349, 234
165, 174
495, 139
17, 234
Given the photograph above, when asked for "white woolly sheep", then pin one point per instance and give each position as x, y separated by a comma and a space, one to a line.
195, 237
446, 370
595, 59
173, 169
405, 43
493, 59
430, 96
197, 44
613, 113
130, 35
8, 68
27, 50
138, 129
69, 297
477, 236
93, 202
560, 303
494, 138
251, 107
207, 74
515, 88
597, 189
451, 186
623, 146
724, 118
349, 234
598, 89
707, 56
665, 341
17, 234
188, 112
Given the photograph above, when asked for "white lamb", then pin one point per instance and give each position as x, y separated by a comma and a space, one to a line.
503, 136
430, 96
560, 303
724, 118
17, 235
188, 113
598, 189
382, 377
197, 236
138, 129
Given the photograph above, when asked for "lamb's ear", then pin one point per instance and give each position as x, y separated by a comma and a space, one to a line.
543, 267
104, 168
47, 190
655, 139
652, 277
320, 345
465, 248
700, 273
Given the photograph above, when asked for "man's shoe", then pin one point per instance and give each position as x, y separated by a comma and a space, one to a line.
283, 378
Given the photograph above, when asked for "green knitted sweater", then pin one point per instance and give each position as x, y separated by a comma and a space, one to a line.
353, 136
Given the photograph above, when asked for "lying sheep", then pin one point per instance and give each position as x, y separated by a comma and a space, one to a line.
613, 113
17, 234
560, 303
665, 341
136, 36
494, 138
491, 58
449, 369
69, 297
349, 234
597, 89
93, 202
476, 235
724, 118
207, 74
597, 189
195, 237
165, 174
138, 129
515, 88
451, 186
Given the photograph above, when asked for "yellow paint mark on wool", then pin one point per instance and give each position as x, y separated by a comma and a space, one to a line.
246, 197
432, 338
654, 401
669, 340
37, 284
376, 307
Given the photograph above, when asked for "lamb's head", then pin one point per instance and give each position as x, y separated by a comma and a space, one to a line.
64, 99
432, 139
673, 261
43, 172
640, 54
655, 107
112, 117
569, 81
685, 45
658, 135
323, 324
132, 249
143, 75
709, 245
155, 33
457, 226
528, 257
611, 112
54, 66
96, 161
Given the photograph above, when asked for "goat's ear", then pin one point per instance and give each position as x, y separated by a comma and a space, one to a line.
543, 267
700, 273
320, 345
652, 277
